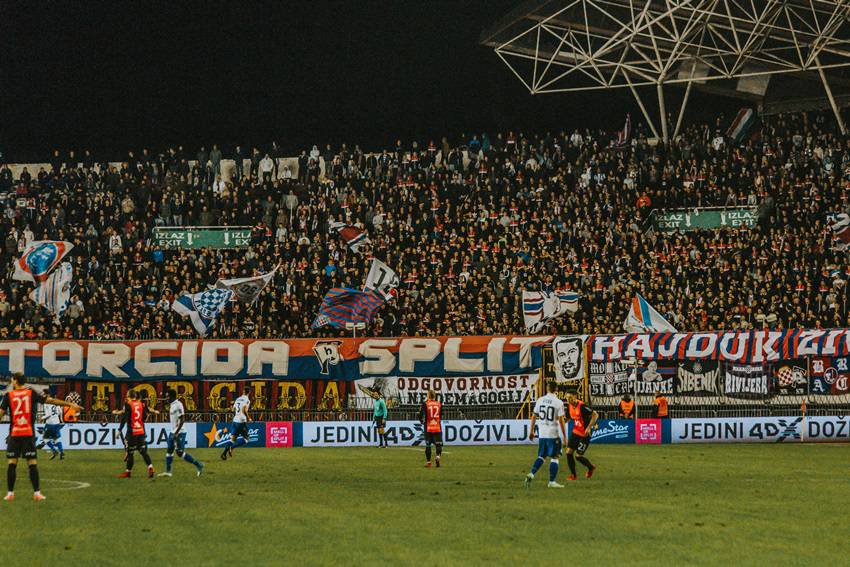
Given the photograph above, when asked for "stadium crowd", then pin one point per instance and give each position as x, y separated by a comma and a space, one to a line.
467, 225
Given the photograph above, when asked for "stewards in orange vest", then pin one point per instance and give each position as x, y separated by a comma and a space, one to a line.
659, 407
627, 407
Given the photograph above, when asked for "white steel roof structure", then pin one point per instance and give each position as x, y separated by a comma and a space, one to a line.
579, 45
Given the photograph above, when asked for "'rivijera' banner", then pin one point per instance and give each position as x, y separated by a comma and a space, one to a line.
746, 347
295, 359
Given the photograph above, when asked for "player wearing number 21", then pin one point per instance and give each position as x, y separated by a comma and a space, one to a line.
21, 403
549, 418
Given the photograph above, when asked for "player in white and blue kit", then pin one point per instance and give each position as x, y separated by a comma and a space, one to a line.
177, 437
53, 431
549, 416
239, 432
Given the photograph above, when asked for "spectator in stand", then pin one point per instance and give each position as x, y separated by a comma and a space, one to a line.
660, 407
626, 407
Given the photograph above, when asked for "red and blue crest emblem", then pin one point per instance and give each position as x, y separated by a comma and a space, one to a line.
39, 259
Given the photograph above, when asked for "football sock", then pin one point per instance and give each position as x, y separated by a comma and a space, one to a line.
553, 470
130, 460
51, 446
571, 462
146, 457
169, 459
585, 462
189, 459
439, 449
61, 448
428, 453
537, 464
34, 477
239, 442
11, 474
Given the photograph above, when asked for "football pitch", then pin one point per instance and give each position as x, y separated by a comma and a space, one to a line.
680, 504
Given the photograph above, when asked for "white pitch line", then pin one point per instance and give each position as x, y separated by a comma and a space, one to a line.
75, 484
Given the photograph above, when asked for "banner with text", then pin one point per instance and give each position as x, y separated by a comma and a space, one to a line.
743, 347
476, 390
293, 359
188, 237
106, 435
761, 429
705, 219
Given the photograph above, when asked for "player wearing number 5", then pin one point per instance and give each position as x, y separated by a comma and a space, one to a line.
21, 403
134, 414
584, 420
549, 418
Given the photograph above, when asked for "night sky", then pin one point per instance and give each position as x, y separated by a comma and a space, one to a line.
113, 77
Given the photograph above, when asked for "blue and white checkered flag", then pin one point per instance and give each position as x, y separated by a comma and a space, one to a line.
202, 308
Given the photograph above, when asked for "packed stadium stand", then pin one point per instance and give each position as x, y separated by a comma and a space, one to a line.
467, 225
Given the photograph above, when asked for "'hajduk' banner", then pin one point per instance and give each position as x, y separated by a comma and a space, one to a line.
744, 347
295, 359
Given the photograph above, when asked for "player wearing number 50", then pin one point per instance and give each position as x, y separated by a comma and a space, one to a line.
21, 403
549, 418
177, 437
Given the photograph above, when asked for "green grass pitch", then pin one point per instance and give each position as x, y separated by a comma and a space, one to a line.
682, 504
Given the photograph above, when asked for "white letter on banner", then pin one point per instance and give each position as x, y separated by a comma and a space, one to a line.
807, 346
189, 358
693, 351
70, 367
109, 357
412, 351
16, 355
614, 344
671, 348
765, 349
829, 344
742, 346
378, 359
525, 344
275, 353
453, 361
638, 347
143, 363
495, 349
211, 366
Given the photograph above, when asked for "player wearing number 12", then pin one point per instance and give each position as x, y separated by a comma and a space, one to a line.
22, 403
432, 413
549, 418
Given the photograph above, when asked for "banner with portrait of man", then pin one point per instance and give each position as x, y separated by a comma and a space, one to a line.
568, 358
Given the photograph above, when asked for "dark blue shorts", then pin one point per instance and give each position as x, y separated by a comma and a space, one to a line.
53, 431
240, 430
549, 448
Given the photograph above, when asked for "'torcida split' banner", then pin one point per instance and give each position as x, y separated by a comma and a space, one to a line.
294, 359
747, 347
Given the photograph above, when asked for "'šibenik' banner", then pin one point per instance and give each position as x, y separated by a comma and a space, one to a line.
295, 359
745, 347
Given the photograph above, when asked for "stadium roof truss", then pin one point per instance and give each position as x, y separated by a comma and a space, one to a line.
580, 45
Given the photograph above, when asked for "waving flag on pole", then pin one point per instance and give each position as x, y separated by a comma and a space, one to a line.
540, 307
202, 308
839, 226
247, 290
382, 279
643, 318
624, 136
55, 293
345, 305
39, 259
353, 236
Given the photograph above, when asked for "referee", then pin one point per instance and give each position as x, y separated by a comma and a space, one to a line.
380, 418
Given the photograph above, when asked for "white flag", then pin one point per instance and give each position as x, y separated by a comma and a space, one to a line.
247, 290
55, 293
382, 279
643, 318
